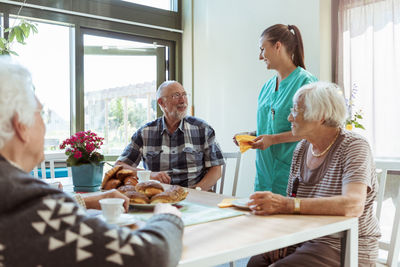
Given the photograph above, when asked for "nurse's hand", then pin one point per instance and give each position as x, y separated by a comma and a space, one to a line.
242, 133
263, 142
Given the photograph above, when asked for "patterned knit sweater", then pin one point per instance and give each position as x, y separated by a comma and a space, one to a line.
42, 226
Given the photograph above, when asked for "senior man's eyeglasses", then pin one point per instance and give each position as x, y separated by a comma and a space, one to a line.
176, 96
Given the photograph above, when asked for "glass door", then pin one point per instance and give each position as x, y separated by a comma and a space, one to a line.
121, 76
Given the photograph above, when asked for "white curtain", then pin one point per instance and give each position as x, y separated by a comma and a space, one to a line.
368, 68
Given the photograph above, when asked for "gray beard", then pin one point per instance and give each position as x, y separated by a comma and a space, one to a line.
181, 115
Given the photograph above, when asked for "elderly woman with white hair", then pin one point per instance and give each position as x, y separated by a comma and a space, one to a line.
43, 226
332, 173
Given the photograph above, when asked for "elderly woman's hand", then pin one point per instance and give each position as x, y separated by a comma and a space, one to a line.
92, 201
263, 203
262, 142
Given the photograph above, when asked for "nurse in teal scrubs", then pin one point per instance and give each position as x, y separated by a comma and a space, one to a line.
281, 48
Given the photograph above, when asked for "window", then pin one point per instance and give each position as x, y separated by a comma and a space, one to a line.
369, 60
51, 76
98, 68
120, 88
163, 4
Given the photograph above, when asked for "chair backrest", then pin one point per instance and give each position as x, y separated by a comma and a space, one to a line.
49, 162
393, 192
227, 156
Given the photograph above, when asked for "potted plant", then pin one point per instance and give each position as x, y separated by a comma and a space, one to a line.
16, 33
85, 160
353, 120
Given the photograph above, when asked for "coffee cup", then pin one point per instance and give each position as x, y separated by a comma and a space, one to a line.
144, 176
112, 208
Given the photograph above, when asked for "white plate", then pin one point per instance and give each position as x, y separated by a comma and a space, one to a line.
124, 219
148, 206
241, 203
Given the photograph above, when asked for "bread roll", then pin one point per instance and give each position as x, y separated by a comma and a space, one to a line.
179, 192
149, 188
174, 193
126, 188
137, 198
109, 175
164, 197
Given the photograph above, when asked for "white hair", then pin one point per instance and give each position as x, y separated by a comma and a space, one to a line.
162, 86
16, 97
323, 100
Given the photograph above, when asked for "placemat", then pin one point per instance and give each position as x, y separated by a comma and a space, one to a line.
193, 213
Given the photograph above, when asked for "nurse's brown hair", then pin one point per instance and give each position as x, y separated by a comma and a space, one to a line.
290, 37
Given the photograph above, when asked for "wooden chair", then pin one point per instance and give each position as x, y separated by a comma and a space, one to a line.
220, 184
49, 161
393, 246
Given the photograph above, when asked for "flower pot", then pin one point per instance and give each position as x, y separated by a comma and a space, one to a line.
87, 177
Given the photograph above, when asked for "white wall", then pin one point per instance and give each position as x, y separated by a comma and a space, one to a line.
221, 66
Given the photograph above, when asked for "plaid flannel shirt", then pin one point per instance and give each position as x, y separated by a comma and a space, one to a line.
185, 154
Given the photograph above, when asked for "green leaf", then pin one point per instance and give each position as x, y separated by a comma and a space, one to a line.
13, 53
3, 43
25, 29
33, 28
19, 34
11, 36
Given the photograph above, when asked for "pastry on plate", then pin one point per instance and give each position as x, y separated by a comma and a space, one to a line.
110, 175
130, 180
112, 184
126, 188
149, 188
137, 198
121, 174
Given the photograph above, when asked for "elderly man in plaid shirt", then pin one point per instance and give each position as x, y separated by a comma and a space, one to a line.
178, 149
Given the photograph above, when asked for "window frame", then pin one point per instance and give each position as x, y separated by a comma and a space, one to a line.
128, 20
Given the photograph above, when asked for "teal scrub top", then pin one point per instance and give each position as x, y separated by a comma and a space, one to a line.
273, 163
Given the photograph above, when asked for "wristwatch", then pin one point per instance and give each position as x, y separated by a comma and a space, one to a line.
297, 205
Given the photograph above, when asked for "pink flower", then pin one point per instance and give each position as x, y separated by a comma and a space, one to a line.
78, 154
81, 146
90, 147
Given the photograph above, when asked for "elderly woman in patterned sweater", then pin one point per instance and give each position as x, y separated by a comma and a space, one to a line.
41, 225
332, 173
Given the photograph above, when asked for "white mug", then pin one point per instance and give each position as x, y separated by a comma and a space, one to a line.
112, 208
143, 176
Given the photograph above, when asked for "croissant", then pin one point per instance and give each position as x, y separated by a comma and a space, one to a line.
109, 175
122, 174
130, 180
112, 184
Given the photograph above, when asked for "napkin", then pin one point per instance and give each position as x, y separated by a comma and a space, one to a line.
226, 202
245, 142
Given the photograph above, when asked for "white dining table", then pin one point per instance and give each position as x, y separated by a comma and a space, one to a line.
230, 239
216, 242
